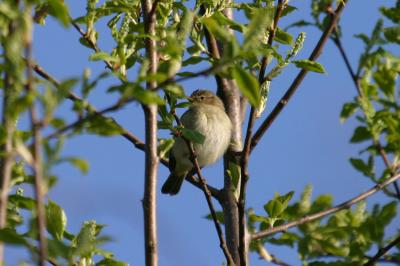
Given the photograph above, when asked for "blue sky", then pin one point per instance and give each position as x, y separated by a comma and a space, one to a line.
306, 145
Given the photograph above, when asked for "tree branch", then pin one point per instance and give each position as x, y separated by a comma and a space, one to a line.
229, 93
297, 81
37, 163
338, 43
319, 215
247, 145
151, 158
382, 251
265, 255
207, 194
7, 159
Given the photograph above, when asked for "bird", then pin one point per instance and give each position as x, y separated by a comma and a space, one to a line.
206, 115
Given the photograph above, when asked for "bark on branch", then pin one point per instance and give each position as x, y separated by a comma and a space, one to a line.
151, 158
319, 215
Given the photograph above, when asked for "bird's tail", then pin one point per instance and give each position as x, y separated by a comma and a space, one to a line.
172, 185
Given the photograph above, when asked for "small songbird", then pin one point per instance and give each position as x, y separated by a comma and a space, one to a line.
207, 116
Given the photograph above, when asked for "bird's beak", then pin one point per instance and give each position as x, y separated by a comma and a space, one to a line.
190, 99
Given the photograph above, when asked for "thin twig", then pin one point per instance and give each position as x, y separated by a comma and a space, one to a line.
265, 255
91, 43
229, 93
207, 194
37, 164
247, 144
388, 165
297, 81
339, 45
345, 205
382, 251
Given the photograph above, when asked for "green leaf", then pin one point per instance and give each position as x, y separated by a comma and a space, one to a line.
360, 134
103, 126
217, 30
388, 212
147, 96
259, 24
164, 146
309, 65
248, 85
283, 37
361, 166
85, 241
11, 237
220, 217
392, 34
386, 78
391, 13
80, 164
23, 202
176, 90
348, 110
234, 173
57, 248
274, 208
225, 21
102, 56
59, 10
111, 262
192, 135
56, 220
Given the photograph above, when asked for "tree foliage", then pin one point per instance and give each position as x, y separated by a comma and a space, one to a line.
251, 52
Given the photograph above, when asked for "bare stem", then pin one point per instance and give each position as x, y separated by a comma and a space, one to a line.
297, 81
382, 251
265, 255
247, 145
230, 95
151, 158
207, 194
7, 161
345, 205
37, 163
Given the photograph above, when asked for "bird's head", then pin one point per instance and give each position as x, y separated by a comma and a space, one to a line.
201, 97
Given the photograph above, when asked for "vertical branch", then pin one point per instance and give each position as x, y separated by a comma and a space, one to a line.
247, 145
207, 194
229, 93
151, 160
37, 157
7, 161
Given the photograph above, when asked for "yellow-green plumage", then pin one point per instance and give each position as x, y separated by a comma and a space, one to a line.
207, 116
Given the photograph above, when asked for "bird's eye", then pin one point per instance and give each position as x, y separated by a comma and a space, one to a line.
202, 98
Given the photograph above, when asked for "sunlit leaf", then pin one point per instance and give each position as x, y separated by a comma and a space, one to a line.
309, 65
56, 220
248, 85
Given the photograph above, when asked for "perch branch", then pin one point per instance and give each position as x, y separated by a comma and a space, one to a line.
207, 194
247, 145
